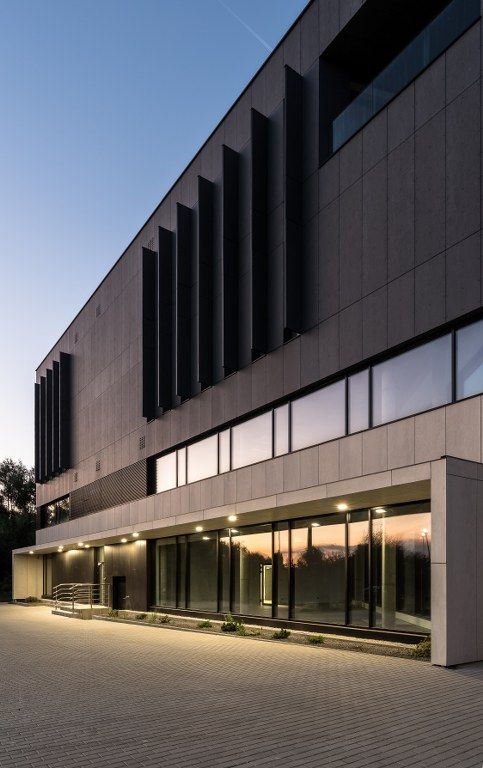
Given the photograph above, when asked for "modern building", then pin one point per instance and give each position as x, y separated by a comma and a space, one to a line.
272, 404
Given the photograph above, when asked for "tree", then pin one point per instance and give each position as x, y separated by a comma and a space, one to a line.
17, 516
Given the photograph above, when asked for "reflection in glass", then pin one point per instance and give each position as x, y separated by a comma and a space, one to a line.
358, 569
182, 466
280, 429
252, 570
166, 472
202, 572
182, 548
281, 555
318, 417
252, 441
318, 558
401, 550
203, 459
412, 382
358, 401
166, 572
469, 360
224, 448
225, 571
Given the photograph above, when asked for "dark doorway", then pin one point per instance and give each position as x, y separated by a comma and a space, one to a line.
118, 592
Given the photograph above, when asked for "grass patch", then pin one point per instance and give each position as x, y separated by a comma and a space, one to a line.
206, 624
422, 650
113, 613
165, 619
316, 639
281, 634
140, 616
152, 618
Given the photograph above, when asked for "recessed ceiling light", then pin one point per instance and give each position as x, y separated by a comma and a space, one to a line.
123, 541
206, 538
315, 525
31, 552
59, 549
135, 534
379, 510
199, 528
80, 544
86, 546
342, 507
232, 518
234, 530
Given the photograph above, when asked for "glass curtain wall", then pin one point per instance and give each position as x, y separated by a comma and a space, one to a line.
368, 568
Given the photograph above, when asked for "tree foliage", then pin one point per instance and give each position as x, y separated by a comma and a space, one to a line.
17, 515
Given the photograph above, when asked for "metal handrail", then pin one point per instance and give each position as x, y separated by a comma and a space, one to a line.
85, 593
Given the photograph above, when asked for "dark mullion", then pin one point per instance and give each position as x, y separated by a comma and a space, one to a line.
187, 573
218, 577
347, 405
291, 582
370, 572
347, 590
454, 393
231, 586
274, 577
370, 397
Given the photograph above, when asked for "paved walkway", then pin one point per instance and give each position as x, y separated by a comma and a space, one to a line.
92, 693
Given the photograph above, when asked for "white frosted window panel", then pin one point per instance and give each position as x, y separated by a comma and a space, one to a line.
166, 472
203, 459
359, 401
469, 360
182, 466
280, 428
413, 382
319, 417
224, 448
252, 441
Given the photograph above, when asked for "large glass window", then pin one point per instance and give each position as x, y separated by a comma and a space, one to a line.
358, 405
412, 382
252, 441
252, 570
225, 567
469, 360
224, 448
182, 466
318, 417
166, 572
202, 571
401, 552
166, 472
281, 430
358, 568
203, 459
56, 512
318, 558
281, 556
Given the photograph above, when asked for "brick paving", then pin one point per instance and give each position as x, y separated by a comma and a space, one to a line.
93, 693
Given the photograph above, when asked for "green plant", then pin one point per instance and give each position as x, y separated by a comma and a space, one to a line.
316, 639
229, 625
113, 613
423, 649
241, 630
140, 616
281, 634
206, 624
164, 619
31, 599
152, 618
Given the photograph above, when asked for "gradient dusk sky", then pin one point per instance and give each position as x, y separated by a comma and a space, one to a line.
98, 99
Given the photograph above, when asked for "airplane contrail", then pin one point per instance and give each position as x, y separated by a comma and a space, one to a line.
247, 26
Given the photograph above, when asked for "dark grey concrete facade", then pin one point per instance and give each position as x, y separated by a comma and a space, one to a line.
389, 236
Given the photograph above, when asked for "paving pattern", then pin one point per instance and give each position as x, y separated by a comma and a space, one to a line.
93, 693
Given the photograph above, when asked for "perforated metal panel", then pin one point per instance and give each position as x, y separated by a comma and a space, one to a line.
125, 485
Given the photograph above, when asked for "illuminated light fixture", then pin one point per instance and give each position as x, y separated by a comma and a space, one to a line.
80, 543
425, 532
60, 549
199, 528
123, 541
86, 546
234, 530
379, 510
135, 534
206, 538
315, 525
31, 552
342, 507
232, 518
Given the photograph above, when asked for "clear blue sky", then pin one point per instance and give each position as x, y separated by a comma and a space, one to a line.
98, 99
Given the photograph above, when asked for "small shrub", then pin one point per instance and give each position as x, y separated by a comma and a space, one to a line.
31, 599
241, 630
113, 613
206, 624
140, 616
316, 639
229, 625
423, 649
281, 634
152, 618
165, 619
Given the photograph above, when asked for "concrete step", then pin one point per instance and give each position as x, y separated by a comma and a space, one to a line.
78, 613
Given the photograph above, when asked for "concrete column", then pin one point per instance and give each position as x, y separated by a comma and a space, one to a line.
456, 561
